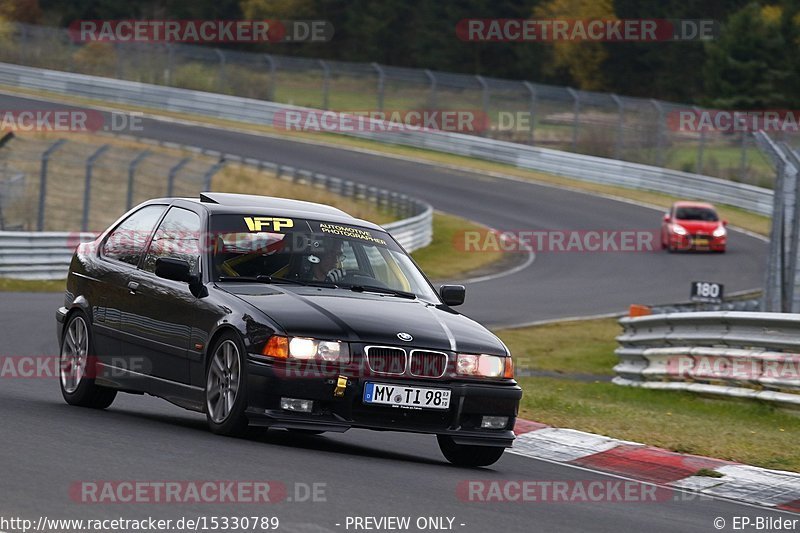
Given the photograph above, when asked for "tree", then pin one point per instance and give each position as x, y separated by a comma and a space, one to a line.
747, 66
583, 60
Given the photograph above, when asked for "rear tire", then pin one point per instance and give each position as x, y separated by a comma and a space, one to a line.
467, 455
226, 387
78, 366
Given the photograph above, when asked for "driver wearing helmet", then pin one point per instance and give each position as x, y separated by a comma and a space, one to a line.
326, 265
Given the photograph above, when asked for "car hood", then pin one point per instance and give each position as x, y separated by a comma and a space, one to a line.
339, 314
694, 226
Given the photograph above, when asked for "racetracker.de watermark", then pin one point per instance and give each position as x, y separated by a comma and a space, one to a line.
457, 120
69, 121
561, 491
776, 366
150, 492
734, 120
201, 31
598, 30
556, 241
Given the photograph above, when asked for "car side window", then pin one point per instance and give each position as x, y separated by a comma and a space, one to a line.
126, 243
177, 237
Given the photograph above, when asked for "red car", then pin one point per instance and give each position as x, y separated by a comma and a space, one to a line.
693, 226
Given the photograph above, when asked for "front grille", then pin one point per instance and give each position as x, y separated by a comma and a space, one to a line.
384, 360
428, 364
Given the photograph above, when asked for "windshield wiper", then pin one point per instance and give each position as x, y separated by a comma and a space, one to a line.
273, 280
382, 290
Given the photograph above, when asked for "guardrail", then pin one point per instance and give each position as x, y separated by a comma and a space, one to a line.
742, 355
46, 255
248, 110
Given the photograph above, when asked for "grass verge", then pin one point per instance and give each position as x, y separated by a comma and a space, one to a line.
750, 432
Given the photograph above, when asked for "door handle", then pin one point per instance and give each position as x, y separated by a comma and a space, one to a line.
132, 286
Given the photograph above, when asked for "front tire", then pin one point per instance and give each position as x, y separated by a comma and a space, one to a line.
467, 455
226, 387
77, 366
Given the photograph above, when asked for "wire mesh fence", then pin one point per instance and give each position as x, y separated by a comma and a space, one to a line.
601, 124
49, 184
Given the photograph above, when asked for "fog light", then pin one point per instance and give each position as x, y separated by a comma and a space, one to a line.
494, 422
293, 404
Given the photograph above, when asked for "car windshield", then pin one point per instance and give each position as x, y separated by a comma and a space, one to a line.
703, 214
289, 250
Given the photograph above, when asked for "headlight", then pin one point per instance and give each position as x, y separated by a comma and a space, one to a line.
719, 232
677, 229
305, 349
487, 366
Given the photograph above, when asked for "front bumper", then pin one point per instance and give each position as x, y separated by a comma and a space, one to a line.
697, 242
469, 402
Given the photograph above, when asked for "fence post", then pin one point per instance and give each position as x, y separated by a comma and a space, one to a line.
221, 72
791, 277
326, 74
43, 181
772, 292
432, 90
743, 157
271, 65
173, 172
659, 132
381, 84
170, 61
576, 114
209, 175
620, 125
701, 144
87, 187
485, 96
131, 174
531, 110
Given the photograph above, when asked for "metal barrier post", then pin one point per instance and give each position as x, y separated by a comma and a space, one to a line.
576, 115
87, 187
209, 175
659, 133
701, 143
485, 96
791, 277
271, 65
221, 72
620, 125
531, 110
326, 74
381, 84
131, 174
432, 90
173, 172
43, 181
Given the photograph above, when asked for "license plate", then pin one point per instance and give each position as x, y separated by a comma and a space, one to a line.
702, 241
407, 397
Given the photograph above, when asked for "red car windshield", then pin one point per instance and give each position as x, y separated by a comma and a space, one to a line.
702, 214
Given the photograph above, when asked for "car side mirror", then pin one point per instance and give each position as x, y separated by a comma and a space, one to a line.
666, 217
175, 269
453, 295
724, 222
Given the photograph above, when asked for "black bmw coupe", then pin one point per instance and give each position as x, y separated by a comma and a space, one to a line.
280, 313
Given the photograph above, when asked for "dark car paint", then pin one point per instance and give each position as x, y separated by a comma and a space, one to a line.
155, 339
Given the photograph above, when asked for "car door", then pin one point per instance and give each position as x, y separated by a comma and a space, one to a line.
120, 253
164, 323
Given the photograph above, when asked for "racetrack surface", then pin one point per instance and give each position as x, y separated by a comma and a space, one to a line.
555, 285
49, 446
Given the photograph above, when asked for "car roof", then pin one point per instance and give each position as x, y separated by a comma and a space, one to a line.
234, 204
686, 203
